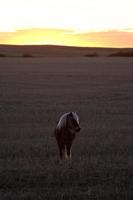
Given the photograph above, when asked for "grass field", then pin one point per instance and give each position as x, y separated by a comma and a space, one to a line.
34, 93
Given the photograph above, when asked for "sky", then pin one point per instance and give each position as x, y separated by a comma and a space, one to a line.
106, 23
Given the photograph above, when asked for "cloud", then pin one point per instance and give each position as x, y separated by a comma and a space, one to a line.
123, 38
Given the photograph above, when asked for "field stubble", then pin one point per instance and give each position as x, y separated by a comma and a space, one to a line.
34, 92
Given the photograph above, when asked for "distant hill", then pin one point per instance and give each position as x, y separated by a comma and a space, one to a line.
52, 50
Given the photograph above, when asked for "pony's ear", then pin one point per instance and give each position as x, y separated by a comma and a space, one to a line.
70, 114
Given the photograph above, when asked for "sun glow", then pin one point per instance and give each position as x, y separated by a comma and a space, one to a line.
63, 22
47, 36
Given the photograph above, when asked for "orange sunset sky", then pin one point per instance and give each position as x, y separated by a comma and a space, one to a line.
105, 23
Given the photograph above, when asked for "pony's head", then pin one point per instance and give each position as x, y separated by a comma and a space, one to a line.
72, 121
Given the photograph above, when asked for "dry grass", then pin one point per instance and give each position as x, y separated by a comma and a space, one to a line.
33, 94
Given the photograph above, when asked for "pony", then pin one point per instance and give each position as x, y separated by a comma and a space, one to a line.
65, 133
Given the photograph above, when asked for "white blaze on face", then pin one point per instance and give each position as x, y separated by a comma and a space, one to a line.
63, 118
75, 117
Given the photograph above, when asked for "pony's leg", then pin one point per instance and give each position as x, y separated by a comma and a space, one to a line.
65, 153
68, 148
62, 151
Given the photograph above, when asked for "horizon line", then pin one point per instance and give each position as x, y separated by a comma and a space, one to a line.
67, 46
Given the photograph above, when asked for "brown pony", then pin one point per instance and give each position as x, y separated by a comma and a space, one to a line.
65, 132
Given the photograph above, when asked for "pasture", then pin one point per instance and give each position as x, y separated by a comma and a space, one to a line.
34, 93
